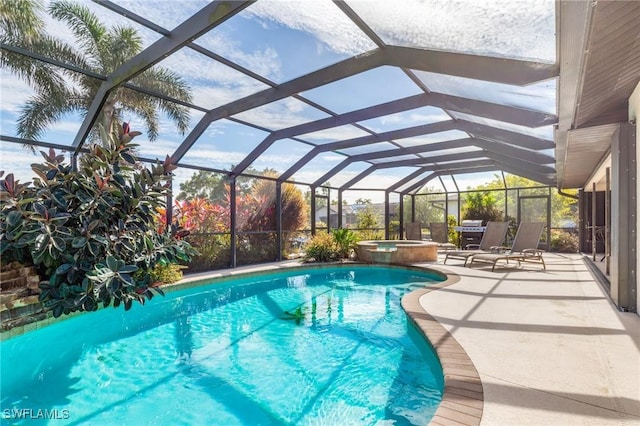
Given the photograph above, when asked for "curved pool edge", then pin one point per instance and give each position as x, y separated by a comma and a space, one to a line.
463, 397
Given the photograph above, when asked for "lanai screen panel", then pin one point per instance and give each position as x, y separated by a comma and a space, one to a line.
544, 132
108, 18
383, 178
362, 90
395, 158
410, 118
281, 114
212, 83
334, 134
500, 28
281, 155
540, 96
17, 95
348, 173
364, 149
448, 183
17, 159
468, 181
223, 145
169, 16
317, 167
432, 138
282, 40
169, 137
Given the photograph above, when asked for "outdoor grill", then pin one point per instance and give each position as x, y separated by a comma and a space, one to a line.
471, 231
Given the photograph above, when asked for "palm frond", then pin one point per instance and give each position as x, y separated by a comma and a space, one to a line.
124, 43
42, 110
149, 116
61, 51
36, 74
88, 30
20, 20
177, 113
162, 80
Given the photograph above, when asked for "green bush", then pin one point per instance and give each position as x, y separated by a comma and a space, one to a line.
563, 241
91, 231
345, 240
167, 274
322, 248
214, 252
451, 231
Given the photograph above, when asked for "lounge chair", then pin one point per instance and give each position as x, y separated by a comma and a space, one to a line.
493, 237
414, 231
524, 248
439, 235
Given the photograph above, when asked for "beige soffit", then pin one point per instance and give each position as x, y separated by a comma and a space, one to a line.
586, 149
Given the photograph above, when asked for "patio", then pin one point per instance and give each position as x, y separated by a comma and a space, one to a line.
550, 347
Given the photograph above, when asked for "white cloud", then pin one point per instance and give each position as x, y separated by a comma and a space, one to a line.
505, 28
318, 18
13, 93
280, 114
265, 62
334, 134
212, 158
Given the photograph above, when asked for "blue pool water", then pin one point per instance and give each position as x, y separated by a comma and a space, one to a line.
229, 354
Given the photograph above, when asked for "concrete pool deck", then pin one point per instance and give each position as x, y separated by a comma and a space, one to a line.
549, 347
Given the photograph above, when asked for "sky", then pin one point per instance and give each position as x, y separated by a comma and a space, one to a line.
282, 40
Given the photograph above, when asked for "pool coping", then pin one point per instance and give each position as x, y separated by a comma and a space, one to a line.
463, 398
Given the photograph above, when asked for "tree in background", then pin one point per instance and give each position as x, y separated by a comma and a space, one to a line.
428, 207
367, 224
204, 185
563, 209
97, 49
482, 205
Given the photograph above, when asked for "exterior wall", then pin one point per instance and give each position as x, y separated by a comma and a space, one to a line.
634, 115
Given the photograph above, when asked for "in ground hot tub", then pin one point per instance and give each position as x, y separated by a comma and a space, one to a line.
397, 251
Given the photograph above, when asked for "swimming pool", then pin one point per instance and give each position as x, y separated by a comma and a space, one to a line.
306, 346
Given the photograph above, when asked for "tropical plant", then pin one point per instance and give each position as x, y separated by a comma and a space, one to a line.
345, 240
91, 231
97, 49
321, 248
166, 273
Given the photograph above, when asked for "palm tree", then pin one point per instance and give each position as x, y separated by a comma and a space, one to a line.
23, 27
98, 49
